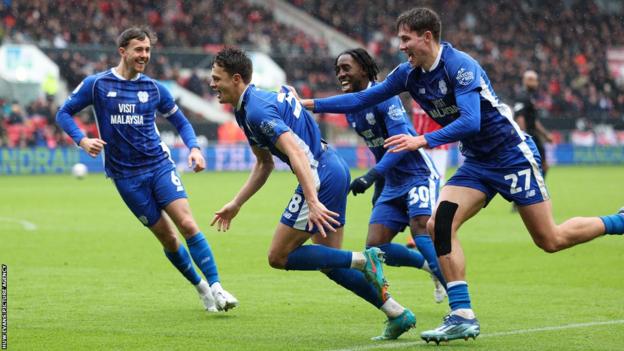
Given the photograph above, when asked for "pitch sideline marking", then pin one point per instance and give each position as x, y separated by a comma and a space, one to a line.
396, 345
30, 226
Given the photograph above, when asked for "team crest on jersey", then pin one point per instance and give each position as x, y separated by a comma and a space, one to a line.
464, 77
395, 112
442, 86
268, 127
143, 96
370, 118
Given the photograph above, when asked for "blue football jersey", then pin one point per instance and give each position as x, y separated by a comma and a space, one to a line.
265, 115
125, 113
375, 124
451, 77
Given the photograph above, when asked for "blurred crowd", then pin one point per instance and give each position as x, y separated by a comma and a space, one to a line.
565, 44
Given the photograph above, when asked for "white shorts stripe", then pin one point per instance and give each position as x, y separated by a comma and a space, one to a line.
302, 217
528, 154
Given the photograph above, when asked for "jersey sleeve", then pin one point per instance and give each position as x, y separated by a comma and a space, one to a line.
465, 75
80, 98
354, 102
264, 119
467, 124
396, 121
166, 106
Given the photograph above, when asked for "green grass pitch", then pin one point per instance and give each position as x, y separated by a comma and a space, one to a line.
91, 277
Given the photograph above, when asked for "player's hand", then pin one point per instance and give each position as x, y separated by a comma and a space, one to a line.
224, 216
404, 142
361, 184
196, 160
308, 104
292, 91
93, 146
548, 137
322, 218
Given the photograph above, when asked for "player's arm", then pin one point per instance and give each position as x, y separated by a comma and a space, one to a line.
467, 88
353, 102
170, 110
319, 215
396, 124
466, 125
543, 131
80, 98
259, 174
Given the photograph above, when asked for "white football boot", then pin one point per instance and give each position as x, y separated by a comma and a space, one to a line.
223, 299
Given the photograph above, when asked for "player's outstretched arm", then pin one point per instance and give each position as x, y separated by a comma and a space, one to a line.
258, 176
319, 215
404, 142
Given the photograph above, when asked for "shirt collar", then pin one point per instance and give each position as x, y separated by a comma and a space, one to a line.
437, 60
116, 74
240, 99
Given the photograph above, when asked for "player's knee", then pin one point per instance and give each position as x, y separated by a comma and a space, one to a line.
443, 227
277, 260
418, 225
170, 242
188, 226
550, 245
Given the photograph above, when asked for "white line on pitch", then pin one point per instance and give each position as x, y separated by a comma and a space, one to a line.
398, 344
30, 226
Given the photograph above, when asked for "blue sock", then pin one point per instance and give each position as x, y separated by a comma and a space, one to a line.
458, 295
426, 248
355, 281
614, 224
182, 261
202, 255
316, 257
399, 255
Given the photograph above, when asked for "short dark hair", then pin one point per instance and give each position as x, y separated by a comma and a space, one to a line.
420, 20
364, 59
139, 33
235, 61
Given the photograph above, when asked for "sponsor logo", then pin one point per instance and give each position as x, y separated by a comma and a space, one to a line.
421, 91
268, 127
464, 77
111, 94
395, 112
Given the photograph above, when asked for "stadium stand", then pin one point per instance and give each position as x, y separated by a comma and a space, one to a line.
566, 45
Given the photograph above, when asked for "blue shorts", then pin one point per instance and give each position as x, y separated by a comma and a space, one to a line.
148, 193
516, 174
418, 199
332, 180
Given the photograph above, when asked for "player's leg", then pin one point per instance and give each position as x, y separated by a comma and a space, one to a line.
457, 205
137, 194
389, 216
536, 209
420, 202
171, 196
424, 244
399, 320
551, 237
